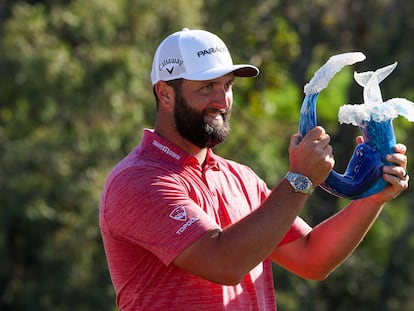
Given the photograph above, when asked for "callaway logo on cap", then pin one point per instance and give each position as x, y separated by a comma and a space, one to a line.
195, 55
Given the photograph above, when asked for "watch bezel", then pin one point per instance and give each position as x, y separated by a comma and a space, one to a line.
300, 183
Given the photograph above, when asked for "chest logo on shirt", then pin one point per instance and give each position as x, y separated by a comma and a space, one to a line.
179, 213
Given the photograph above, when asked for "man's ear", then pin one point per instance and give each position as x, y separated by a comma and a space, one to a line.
165, 93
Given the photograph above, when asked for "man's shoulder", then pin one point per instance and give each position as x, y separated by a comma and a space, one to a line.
134, 165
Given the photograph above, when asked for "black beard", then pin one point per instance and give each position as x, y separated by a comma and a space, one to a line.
190, 125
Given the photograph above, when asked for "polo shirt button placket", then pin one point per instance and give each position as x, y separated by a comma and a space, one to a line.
209, 185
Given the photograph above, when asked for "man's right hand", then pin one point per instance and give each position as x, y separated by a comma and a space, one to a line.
312, 156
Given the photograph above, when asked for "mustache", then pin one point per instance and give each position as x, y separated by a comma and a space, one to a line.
225, 113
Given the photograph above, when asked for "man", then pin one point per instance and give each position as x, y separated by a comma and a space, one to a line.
185, 229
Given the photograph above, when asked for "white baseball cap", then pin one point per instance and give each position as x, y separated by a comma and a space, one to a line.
195, 55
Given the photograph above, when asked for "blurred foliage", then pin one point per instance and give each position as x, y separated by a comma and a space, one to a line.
75, 94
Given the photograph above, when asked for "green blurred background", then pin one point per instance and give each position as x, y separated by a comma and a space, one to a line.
75, 94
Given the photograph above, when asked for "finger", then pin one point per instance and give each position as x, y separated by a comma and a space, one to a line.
318, 138
315, 134
330, 159
400, 184
397, 171
400, 148
295, 140
398, 159
359, 140
400, 172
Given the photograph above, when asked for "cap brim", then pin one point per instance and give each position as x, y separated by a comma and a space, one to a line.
238, 70
247, 71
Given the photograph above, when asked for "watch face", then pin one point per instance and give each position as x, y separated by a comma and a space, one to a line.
301, 183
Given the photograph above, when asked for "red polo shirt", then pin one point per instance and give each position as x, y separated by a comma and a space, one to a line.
158, 201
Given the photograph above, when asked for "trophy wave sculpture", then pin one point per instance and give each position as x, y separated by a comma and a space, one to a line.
363, 175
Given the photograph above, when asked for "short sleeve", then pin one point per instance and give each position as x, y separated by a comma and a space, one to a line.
154, 211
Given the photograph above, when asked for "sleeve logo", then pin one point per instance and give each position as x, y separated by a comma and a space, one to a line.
179, 213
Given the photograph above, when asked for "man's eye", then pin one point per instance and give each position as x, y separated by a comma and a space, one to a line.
207, 87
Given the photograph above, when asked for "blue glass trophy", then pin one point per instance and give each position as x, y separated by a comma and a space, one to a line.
363, 175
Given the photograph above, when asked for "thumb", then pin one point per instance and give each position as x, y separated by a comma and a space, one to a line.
295, 140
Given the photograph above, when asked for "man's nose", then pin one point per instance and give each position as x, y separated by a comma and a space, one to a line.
222, 99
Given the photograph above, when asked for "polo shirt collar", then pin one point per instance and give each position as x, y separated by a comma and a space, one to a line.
166, 151
211, 160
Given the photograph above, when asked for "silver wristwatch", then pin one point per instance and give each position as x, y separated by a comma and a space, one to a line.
300, 183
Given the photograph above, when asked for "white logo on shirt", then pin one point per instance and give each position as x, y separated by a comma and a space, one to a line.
166, 150
187, 224
179, 213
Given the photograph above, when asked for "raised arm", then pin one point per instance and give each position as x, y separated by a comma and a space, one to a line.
332, 241
225, 257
